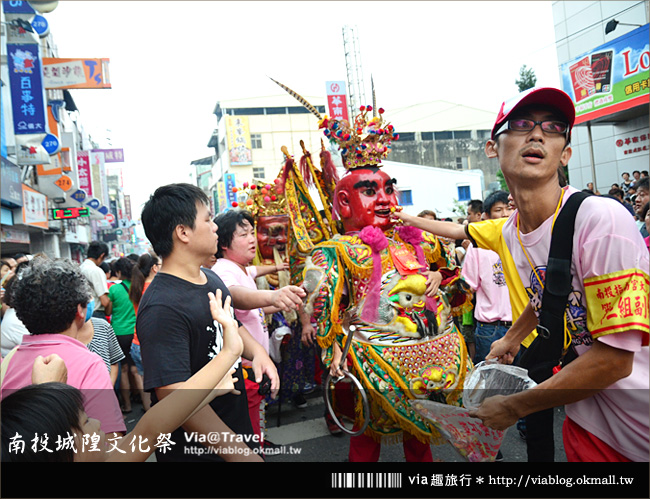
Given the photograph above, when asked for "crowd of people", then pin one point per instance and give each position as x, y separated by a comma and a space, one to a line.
192, 330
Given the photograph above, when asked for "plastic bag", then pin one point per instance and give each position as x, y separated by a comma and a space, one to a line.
490, 378
469, 436
276, 343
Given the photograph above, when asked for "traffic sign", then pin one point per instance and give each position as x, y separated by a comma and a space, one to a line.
41, 26
110, 218
93, 203
51, 144
78, 195
64, 182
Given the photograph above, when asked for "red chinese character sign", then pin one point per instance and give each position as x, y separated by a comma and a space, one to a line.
631, 144
337, 101
83, 171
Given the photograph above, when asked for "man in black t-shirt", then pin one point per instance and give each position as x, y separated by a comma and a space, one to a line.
178, 335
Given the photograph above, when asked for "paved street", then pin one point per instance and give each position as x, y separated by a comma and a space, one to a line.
305, 438
305, 429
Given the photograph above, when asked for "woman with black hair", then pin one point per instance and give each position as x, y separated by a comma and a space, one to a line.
43, 412
123, 322
143, 273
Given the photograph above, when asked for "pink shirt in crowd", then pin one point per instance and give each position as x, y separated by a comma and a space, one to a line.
86, 371
483, 271
608, 303
253, 320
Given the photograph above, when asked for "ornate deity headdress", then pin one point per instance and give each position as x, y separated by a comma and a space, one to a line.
262, 199
367, 142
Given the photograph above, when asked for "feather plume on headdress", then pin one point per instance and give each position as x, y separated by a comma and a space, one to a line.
300, 99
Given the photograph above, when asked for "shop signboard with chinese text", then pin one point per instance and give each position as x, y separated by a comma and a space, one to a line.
127, 207
632, 144
112, 155
97, 167
231, 197
612, 78
239, 140
28, 103
337, 100
221, 195
17, 21
83, 171
76, 73
14, 236
34, 208
11, 185
69, 213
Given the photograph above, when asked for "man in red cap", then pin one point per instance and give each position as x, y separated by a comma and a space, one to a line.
604, 390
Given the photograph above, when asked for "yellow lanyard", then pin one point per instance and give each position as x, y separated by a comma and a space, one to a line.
567, 334
557, 210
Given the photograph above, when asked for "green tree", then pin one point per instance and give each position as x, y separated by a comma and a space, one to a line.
527, 78
502, 181
460, 208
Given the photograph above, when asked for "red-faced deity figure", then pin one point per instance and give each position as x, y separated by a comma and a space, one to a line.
364, 196
272, 233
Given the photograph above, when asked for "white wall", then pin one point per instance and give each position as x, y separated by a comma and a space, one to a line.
434, 188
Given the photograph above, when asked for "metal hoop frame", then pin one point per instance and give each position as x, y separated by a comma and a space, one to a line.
330, 380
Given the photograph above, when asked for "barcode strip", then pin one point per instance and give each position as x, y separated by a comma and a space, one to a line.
366, 480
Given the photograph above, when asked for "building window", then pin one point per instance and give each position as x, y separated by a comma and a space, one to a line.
405, 197
256, 140
464, 193
258, 173
443, 135
462, 163
462, 134
427, 135
406, 136
275, 110
250, 111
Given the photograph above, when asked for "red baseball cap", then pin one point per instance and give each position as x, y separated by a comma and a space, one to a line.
546, 96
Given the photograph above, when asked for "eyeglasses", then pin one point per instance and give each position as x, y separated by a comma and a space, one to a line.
523, 125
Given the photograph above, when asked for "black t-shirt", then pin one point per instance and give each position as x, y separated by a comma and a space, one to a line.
178, 336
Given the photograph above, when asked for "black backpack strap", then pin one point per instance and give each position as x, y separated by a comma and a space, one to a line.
557, 284
548, 347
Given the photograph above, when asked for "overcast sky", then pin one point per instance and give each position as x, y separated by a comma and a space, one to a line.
171, 61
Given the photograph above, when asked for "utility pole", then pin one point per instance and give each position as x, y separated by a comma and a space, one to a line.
356, 87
